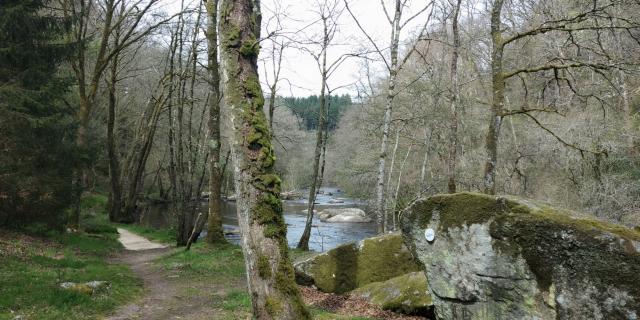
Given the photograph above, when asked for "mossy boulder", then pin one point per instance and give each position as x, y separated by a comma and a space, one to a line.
353, 265
406, 294
506, 258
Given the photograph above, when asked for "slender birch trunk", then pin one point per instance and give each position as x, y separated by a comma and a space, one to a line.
303, 244
386, 122
390, 175
397, 192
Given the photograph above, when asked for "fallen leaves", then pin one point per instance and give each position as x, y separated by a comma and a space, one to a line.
349, 305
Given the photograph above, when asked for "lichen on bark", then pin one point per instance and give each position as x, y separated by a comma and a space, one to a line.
270, 274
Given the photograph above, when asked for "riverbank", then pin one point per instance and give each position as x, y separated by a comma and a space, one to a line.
207, 282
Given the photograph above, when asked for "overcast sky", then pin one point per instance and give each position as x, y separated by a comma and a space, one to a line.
301, 70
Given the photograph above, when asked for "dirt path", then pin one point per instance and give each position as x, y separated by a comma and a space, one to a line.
165, 295
170, 293
132, 241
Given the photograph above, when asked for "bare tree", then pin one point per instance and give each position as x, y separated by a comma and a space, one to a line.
393, 65
581, 19
326, 11
270, 276
90, 70
215, 232
278, 44
329, 12
455, 98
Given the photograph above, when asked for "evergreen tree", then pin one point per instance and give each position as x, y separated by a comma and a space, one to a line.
36, 127
306, 108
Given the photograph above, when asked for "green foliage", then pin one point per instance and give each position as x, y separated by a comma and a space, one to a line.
31, 277
37, 128
306, 108
235, 300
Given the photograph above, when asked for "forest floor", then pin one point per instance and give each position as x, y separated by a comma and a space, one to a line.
208, 282
156, 282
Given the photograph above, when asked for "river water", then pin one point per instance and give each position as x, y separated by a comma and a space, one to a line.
324, 236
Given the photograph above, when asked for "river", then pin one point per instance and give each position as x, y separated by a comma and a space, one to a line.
324, 236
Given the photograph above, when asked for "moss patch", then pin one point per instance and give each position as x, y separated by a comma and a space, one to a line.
405, 294
556, 247
356, 264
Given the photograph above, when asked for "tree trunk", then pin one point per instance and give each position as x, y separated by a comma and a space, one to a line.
497, 103
397, 192
137, 161
87, 95
272, 103
115, 196
455, 98
393, 72
270, 275
391, 168
303, 244
215, 233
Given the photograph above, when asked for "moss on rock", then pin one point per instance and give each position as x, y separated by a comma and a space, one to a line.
356, 264
406, 294
569, 261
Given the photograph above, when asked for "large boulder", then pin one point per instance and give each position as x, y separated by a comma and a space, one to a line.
353, 265
406, 294
504, 258
343, 215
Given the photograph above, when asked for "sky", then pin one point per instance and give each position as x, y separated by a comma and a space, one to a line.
301, 70
300, 22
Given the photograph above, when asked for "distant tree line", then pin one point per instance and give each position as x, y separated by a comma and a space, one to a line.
306, 108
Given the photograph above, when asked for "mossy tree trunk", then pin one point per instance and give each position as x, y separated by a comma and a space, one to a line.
270, 275
497, 103
214, 222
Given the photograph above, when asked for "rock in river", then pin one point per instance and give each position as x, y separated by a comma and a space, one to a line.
354, 265
506, 258
344, 215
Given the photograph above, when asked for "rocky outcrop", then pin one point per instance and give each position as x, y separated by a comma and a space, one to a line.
353, 265
344, 215
504, 258
407, 294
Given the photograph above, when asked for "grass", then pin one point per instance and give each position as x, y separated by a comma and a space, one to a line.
32, 267
219, 273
